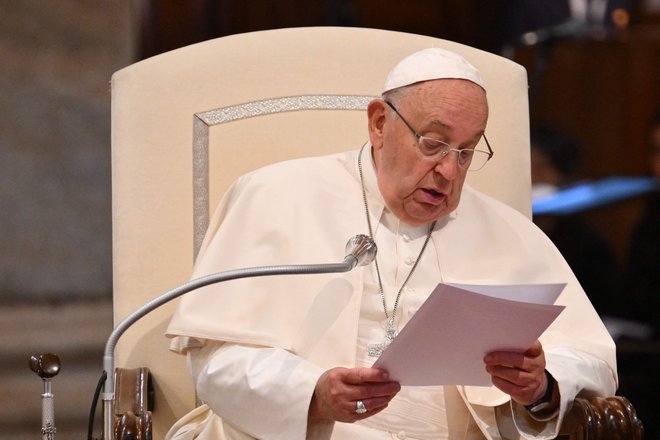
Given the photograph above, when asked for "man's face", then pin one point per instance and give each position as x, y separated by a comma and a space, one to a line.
416, 190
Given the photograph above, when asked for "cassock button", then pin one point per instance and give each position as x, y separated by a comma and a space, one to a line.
401, 435
405, 237
410, 261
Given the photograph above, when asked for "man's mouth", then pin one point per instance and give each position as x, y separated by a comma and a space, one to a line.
432, 195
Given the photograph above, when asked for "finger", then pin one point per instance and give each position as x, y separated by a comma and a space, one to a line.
515, 391
513, 375
336, 399
371, 411
532, 356
535, 350
350, 385
356, 376
524, 394
376, 403
506, 358
384, 390
522, 386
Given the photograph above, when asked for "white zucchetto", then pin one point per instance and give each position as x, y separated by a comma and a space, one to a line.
429, 64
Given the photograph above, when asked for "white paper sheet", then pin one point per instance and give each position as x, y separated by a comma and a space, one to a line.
446, 340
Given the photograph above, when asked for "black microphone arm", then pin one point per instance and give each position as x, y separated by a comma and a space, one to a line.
360, 251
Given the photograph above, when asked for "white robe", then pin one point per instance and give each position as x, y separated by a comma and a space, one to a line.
303, 211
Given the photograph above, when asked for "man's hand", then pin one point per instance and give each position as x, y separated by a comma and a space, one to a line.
338, 390
520, 375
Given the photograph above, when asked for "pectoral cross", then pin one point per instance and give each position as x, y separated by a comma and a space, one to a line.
375, 349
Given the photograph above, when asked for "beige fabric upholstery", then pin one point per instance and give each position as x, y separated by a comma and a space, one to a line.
180, 135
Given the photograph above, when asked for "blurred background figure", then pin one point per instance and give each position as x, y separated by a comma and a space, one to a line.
642, 277
556, 162
625, 290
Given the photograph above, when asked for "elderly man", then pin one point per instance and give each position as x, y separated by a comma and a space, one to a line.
290, 357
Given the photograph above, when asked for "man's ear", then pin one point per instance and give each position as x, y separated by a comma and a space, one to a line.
376, 120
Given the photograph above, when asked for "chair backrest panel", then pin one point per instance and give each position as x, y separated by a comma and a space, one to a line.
175, 150
225, 137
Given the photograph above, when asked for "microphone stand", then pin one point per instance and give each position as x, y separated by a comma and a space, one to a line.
360, 250
46, 366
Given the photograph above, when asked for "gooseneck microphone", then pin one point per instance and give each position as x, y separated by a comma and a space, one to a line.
360, 251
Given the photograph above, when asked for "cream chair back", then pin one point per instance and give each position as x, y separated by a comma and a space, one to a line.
188, 122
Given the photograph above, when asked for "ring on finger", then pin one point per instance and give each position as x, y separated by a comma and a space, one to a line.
360, 408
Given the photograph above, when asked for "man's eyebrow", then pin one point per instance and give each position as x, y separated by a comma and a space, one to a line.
441, 124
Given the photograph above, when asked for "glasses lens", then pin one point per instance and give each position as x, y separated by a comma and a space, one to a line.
479, 159
465, 158
468, 159
433, 149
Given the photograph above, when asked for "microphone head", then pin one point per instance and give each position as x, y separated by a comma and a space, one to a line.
362, 248
45, 365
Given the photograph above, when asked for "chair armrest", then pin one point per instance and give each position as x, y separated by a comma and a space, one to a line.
599, 418
602, 418
133, 404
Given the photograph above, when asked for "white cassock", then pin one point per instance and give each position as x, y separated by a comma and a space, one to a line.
257, 346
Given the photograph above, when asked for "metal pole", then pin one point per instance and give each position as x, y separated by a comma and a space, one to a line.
46, 366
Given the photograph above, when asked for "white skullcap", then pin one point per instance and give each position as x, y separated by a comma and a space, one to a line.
432, 63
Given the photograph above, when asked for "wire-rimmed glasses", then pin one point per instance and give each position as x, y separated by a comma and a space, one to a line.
435, 150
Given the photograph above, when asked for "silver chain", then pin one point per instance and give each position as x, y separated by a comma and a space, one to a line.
391, 319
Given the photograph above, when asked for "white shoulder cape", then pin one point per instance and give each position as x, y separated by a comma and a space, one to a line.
303, 211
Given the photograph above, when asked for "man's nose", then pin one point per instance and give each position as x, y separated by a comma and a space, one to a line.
448, 166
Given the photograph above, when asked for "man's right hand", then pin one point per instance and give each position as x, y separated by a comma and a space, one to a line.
338, 390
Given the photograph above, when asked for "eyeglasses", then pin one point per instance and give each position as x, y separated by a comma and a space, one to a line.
434, 150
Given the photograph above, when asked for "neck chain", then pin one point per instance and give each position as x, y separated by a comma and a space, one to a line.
376, 349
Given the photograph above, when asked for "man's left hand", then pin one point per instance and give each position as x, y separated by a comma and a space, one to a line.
520, 375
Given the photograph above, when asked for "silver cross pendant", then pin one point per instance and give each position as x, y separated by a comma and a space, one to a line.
375, 349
